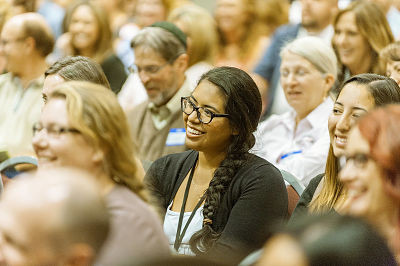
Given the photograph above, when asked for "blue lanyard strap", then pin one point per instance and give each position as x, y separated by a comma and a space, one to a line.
290, 153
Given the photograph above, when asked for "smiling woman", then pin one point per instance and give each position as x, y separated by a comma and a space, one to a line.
222, 197
357, 96
83, 126
88, 34
298, 141
371, 175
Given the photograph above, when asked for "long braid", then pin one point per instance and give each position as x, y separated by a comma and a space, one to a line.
204, 239
243, 105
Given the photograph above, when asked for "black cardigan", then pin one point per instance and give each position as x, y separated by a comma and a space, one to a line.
255, 198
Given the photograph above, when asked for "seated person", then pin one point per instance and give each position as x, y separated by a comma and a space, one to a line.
371, 173
327, 240
298, 141
73, 68
357, 96
55, 217
222, 196
390, 55
83, 126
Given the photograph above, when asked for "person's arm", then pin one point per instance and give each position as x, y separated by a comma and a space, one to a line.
262, 201
155, 187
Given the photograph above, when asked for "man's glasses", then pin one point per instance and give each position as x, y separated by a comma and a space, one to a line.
149, 70
52, 131
204, 115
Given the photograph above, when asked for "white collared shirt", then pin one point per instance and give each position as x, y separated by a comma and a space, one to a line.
301, 151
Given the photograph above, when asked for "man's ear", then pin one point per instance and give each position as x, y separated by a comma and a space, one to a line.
182, 62
30, 44
329, 81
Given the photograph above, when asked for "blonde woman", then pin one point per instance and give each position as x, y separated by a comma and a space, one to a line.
83, 126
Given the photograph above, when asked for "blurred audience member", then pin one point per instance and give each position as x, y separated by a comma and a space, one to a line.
357, 96
83, 126
361, 32
56, 217
25, 42
240, 40
371, 174
272, 14
316, 16
392, 15
89, 34
390, 55
202, 39
298, 141
327, 240
161, 62
78, 68
22, 6
242, 193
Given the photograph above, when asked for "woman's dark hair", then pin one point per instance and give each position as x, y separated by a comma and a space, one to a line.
243, 104
383, 89
332, 239
78, 68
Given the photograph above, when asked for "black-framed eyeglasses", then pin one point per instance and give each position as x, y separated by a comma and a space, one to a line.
52, 131
204, 115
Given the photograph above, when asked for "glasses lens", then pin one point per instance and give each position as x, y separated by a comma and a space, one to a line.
205, 115
187, 107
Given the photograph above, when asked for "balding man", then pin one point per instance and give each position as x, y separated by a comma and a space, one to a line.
25, 42
56, 217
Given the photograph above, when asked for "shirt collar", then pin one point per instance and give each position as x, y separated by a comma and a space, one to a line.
319, 115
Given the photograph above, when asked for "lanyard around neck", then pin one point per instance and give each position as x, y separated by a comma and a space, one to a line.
179, 236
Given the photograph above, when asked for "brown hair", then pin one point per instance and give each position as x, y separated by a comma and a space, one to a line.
373, 26
103, 46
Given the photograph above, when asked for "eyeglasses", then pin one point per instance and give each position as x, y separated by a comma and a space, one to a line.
149, 70
5, 42
52, 131
359, 160
204, 115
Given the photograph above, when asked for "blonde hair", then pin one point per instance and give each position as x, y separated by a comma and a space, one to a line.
390, 52
373, 26
200, 27
95, 112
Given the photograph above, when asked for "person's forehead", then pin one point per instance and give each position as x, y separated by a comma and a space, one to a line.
147, 54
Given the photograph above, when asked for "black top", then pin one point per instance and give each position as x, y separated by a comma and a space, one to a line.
255, 198
305, 199
115, 72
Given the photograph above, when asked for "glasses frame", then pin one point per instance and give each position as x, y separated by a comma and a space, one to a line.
359, 160
196, 108
54, 132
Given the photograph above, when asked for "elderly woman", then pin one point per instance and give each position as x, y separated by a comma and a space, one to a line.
83, 126
357, 96
371, 174
298, 141
217, 198
361, 32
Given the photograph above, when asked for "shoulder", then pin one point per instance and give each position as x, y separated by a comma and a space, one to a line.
288, 31
174, 160
258, 169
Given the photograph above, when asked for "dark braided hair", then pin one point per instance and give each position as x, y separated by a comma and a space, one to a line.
243, 104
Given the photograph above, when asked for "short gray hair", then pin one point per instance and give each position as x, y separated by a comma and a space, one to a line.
161, 41
316, 51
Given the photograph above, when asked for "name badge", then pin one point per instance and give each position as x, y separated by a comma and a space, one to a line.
176, 137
